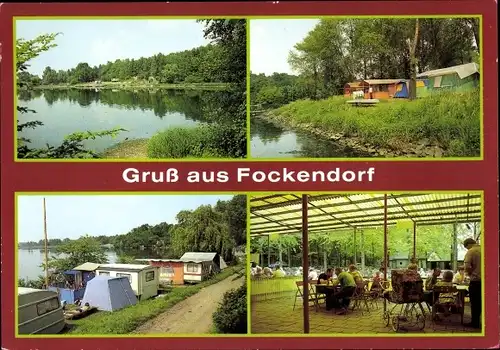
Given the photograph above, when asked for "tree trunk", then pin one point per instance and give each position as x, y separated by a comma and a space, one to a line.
289, 258
474, 23
412, 46
325, 262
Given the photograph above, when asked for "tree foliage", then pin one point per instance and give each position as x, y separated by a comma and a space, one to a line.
72, 146
199, 65
338, 51
339, 246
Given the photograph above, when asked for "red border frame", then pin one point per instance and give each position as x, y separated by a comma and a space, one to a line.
391, 176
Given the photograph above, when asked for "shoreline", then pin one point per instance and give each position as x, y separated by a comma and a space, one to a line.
128, 85
424, 149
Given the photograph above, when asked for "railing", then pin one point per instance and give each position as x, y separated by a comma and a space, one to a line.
273, 288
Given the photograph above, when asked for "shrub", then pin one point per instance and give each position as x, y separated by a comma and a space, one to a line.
206, 141
231, 315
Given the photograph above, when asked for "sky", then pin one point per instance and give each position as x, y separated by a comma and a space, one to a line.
74, 216
272, 40
99, 41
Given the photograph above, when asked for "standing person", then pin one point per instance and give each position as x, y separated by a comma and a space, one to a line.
472, 265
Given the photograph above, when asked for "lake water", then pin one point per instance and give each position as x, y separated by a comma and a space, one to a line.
271, 141
142, 112
29, 262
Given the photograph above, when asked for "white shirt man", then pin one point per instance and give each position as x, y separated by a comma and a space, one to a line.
313, 275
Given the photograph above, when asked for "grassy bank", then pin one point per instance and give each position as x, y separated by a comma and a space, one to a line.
449, 121
128, 319
204, 141
129, 149
138, 85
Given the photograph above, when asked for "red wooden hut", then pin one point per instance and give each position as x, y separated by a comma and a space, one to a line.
382, 89
349, 88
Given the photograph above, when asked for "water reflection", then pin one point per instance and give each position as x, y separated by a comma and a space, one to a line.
141, 112
271, 141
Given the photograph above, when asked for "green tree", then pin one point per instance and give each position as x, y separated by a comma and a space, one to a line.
77, 252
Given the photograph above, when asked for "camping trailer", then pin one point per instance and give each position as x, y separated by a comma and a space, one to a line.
171, 271
72, 288
143, 279
464, 77
39, 311
109, 293
200, 266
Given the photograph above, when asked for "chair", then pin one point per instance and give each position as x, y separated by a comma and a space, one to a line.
452, 301
312, 295
361, 296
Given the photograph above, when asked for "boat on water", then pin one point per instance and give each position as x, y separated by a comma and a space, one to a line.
363, 102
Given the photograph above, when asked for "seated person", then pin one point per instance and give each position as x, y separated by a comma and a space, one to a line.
446, 298
353, 270
325, 277
459, 277
341, 299
376, 283
267, 272
258, 271
432, 279
313, 275
430, 282
413, 267
278, 272
84, 308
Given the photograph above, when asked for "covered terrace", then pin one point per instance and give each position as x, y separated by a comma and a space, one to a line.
282, 214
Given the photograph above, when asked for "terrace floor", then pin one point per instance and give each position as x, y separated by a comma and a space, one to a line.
277, 316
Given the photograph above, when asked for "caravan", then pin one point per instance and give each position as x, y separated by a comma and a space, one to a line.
39, 311
143, 279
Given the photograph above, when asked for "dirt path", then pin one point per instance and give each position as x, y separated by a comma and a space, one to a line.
192, 315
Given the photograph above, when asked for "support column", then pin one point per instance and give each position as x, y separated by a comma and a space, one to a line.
355, 257
385, 246
268, 250
385, 237
305, 261
454, 253
415, 242
362, 250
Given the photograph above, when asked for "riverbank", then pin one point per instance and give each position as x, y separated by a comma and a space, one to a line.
127, 320
129, 149
441, 125
200, 142
137, 85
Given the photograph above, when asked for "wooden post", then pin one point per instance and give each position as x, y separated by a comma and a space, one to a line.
355, 257
385, 237
305, 261
415, 242
362, 250
268, 250
46, 245
385, 246
454, 254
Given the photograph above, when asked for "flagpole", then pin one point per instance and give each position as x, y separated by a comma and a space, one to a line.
46, 245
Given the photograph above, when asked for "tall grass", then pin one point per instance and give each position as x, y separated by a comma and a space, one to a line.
451, 119
128, 319
205, 141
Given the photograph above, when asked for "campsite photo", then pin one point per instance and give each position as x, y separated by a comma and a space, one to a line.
367, 264
131, 264
141, 89
380, 87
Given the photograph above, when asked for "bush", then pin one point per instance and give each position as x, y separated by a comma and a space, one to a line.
452, 119
206, 141
231, 316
